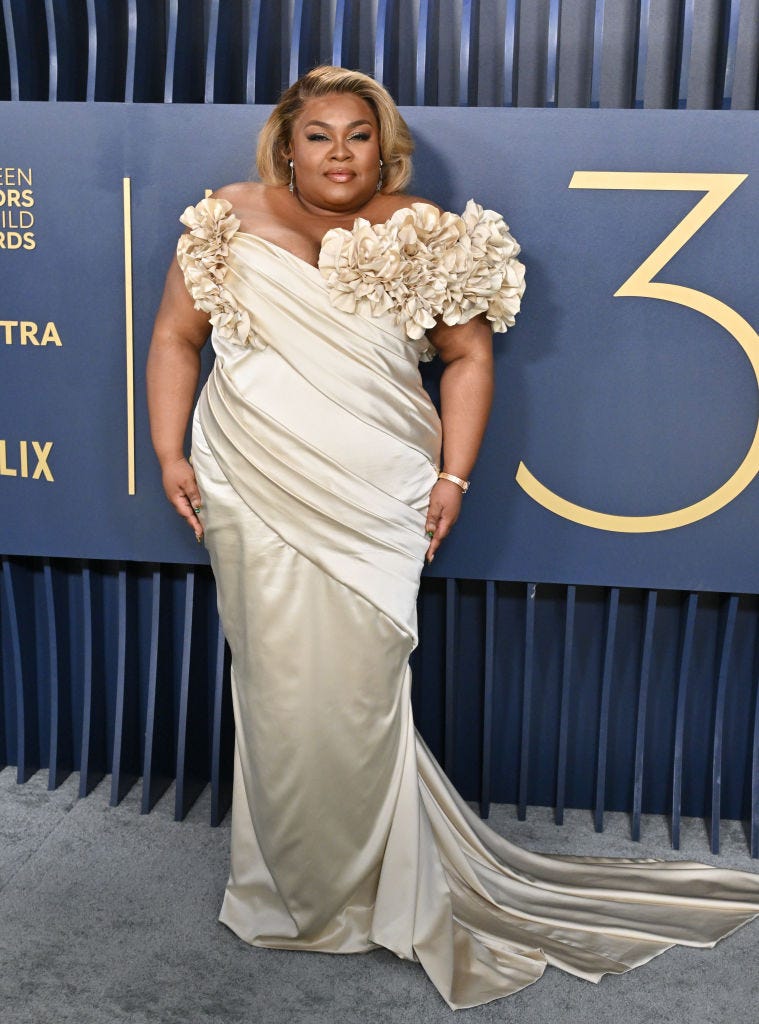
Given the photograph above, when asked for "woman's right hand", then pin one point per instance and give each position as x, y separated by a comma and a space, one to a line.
182, 491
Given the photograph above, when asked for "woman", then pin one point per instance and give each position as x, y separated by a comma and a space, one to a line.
315, 481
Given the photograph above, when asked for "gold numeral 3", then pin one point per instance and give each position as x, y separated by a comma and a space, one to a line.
717, 188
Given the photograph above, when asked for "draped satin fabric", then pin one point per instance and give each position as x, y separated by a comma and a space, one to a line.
315, 452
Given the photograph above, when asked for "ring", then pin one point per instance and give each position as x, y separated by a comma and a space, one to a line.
196, 510
430, 534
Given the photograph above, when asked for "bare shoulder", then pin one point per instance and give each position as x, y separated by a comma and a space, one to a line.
243, 192
402, 200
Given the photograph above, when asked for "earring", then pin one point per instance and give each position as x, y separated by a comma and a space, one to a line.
292, 177
379, 183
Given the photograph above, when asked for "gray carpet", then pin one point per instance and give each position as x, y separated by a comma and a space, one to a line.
109, 916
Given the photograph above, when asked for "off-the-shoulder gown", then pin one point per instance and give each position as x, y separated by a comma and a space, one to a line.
315, 448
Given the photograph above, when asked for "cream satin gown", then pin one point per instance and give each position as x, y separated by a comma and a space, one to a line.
315, 448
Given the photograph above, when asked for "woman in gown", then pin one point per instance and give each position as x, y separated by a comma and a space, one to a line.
315, 481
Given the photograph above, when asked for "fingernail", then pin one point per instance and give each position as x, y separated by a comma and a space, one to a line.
431, 559
198, 538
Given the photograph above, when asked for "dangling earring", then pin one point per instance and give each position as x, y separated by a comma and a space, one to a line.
292, 178
379, 183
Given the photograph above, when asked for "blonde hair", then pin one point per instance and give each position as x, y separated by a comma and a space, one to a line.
396, 144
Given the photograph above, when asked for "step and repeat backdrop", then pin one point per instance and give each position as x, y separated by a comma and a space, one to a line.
623, 446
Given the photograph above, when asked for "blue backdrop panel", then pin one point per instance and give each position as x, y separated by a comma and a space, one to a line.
627, 406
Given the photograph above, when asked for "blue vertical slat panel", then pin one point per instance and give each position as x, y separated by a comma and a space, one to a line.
149, 797
223, 734
60, 751
552, 56
193, 730
726, 646
345, 34
298, 41
728, 47
469, 53
131, 54
386, 45
341, 32
158, 757
10, 42
121, 683
304, 38
112, 47
27, 752
641, 54
451, 616
30, 37
686, 652
640, 725
91, 769
682, 56
67, 717
511, 53
427, 53
230, 52
211, 48
251, 57
527, 679
466, 772
428, 665
92, 50
598, 45
605, 704
189, 51
52, 47
125, 759
52, 674
487, 699
5, 77
754, 823
7, 688
182, 802
270, 74
150, 53
565, 703
71, 43
172, 34
31, 599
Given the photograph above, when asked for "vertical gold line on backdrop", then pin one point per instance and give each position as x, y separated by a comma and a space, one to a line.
129, 326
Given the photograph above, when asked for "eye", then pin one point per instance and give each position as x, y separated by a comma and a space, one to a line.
359, 137
317, 137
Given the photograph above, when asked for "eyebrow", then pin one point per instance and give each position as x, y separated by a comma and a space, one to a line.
325, 124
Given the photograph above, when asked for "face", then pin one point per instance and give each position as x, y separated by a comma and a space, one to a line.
336, 153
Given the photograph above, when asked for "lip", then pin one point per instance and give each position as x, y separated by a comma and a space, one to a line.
340, 176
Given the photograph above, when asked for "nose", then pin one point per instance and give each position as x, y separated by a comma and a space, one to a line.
340, 150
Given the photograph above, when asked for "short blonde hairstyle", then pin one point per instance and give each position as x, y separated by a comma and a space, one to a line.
396, 144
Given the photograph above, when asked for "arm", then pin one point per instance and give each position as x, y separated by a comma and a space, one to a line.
173, 369
466, 392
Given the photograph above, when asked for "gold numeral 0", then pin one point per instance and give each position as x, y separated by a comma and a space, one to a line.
718, 187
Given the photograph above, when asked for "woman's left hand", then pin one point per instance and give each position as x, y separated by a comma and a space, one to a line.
443, 511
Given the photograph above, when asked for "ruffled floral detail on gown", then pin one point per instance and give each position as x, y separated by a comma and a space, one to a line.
421, 265
202, 254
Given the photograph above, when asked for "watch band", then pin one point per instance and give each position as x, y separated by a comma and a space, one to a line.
463, 484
